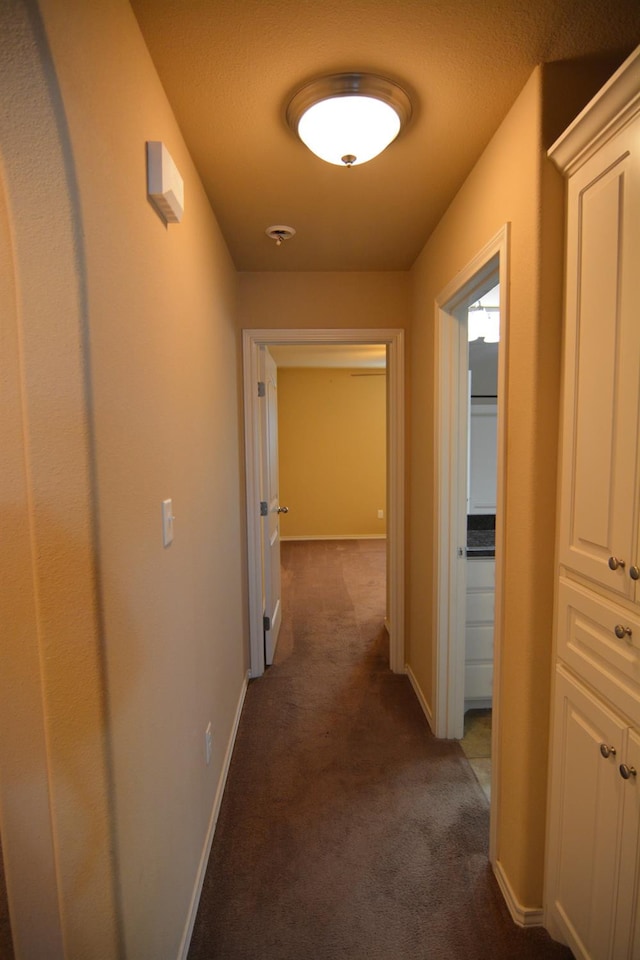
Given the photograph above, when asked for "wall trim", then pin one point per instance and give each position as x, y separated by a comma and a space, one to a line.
523, 916
339, 536
215, 812
417, 689
614, 106
252, 341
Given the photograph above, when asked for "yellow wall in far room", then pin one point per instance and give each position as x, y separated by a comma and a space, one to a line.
332, 452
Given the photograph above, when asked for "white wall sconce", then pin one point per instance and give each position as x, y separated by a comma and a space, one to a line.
165, 186
349, 118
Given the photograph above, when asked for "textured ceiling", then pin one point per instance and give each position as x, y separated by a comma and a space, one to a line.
229, 68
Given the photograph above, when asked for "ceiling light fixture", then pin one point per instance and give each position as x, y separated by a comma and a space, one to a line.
349, 118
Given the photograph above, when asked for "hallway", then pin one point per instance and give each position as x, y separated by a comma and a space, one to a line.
346, 829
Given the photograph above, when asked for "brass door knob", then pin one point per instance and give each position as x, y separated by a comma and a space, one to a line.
615, 562
621, 631
607, 751
626, 772
634, 572
283, 509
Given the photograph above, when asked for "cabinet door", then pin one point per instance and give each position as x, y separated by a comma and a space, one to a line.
600, 641
483, 457
602, 365
586, 812
478, 667
627, 932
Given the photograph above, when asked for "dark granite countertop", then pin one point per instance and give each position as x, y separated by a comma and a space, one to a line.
481, 535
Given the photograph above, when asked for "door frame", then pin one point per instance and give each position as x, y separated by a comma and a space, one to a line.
450, 447
393, 339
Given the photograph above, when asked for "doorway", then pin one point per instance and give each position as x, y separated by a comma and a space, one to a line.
331, 453
487, 269
481, 321
393, 340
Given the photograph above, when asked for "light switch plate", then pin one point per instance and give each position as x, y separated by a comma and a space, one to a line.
167, 522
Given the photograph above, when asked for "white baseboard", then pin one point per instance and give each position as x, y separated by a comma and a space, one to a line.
342, 536
523, 916
417, 689
206, 850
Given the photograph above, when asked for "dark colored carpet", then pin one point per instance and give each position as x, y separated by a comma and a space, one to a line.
6, 943
347, 830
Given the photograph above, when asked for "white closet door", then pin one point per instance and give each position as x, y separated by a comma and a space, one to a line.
602, 373
586, 811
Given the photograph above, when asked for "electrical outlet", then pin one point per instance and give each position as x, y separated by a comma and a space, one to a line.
208, 742
380, 514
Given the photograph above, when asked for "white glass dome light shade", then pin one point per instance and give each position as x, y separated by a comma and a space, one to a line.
340, 127
348, 118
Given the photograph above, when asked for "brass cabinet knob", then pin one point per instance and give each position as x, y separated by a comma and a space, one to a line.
634, 572
615, 562
607, 751
283, 509
621, 631
626, 772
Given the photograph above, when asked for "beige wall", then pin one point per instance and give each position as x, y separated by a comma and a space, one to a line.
128, 385
504, 187
332, 443
275, 301
512, 183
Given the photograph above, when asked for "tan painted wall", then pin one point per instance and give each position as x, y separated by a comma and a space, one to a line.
332, 443
129, 395
319, 300
54, 798
512, 182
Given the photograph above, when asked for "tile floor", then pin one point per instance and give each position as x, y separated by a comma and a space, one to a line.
476, 745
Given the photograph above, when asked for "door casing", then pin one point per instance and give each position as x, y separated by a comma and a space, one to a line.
393, 339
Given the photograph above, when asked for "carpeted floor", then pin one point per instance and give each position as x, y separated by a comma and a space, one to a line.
6, 943
347, 830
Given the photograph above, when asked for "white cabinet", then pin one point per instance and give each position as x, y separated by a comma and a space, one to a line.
599, 509
600, 641
592, 890
483, 457
627, 930
478, 666
593, 850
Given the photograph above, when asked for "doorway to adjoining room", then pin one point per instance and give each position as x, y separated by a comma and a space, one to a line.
471, 425
483, 336
340, 387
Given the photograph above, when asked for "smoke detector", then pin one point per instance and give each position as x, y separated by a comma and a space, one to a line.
279, 233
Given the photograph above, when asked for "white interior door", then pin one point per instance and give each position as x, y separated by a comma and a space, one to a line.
272, 606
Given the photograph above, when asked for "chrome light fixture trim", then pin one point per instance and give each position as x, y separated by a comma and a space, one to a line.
355, 86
